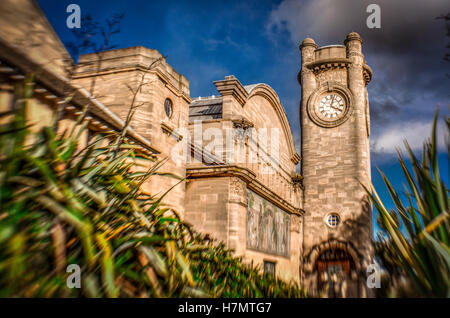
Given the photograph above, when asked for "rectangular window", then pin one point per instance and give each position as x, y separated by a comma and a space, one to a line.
269, 268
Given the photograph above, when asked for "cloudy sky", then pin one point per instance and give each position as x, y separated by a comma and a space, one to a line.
257, 41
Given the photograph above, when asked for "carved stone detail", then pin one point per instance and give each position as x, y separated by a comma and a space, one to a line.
296, 222
238, 190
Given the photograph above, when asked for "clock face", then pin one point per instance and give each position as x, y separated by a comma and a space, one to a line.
331, 106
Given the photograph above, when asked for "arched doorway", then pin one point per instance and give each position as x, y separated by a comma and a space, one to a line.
335, 271
332, 257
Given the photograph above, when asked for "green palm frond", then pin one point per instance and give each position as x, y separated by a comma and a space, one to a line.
419, 244
61, 204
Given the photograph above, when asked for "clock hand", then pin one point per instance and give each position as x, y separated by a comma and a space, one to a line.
337, 108
332, 100
331, 103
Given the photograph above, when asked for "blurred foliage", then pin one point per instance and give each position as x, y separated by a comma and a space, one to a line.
62, 204
415, 248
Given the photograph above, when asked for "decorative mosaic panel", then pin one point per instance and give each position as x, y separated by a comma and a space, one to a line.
268, 227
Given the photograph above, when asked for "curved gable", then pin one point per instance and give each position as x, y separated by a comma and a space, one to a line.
266, 92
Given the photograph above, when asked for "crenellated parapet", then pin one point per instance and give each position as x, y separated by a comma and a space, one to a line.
329, 58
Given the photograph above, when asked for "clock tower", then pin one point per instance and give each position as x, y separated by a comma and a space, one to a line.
335, 128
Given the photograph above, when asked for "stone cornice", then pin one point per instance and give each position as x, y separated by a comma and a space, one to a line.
248, 177
221, 171
333, 63
327, 64
271, 196
140, 68
231, 86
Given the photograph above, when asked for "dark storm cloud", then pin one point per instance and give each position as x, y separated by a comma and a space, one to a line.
257, 41
382, 110
406, 54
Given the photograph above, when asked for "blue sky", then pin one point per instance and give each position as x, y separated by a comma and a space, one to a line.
257, 41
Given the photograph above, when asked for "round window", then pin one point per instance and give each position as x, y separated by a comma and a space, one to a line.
333, 220
168, 107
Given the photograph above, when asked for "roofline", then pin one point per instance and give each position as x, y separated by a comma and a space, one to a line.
269, 93
55, 35
61, 87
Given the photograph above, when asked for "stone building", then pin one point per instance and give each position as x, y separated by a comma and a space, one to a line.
235, 151
335, 123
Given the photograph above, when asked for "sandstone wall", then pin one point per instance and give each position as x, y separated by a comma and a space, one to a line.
25, 27
114, 77
336, 159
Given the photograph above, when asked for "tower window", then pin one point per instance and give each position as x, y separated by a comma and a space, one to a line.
168, 107
269, 268
333, 219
